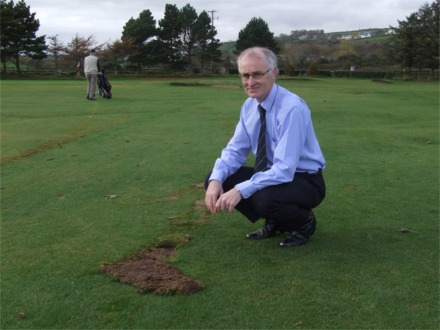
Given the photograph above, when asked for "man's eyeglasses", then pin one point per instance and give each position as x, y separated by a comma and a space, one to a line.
255, 75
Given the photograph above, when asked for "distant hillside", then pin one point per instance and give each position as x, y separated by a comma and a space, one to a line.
228, 46
363, 35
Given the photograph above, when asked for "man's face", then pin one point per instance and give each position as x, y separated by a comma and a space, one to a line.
257, 77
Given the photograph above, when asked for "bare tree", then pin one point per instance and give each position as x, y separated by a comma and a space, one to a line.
56, 48
77, 49
117, 52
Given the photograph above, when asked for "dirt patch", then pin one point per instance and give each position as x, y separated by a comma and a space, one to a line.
182, 84
382, 81
148, 269
227, 86
148, 273
196, 84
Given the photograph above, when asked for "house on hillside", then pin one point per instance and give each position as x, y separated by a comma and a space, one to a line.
390, 31
346, 37
365, 35
314, 58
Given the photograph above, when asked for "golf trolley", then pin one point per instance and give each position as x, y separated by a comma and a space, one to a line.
104, 86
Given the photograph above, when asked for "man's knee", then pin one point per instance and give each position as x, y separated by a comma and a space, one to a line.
263, 203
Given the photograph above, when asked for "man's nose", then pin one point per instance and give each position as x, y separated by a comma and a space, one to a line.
251, 80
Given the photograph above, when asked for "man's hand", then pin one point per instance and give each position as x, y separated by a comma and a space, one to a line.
229, 200
214, 191
217, 200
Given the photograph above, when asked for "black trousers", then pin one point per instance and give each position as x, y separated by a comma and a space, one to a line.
287, 204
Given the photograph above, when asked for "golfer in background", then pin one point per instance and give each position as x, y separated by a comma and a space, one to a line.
91, 69
286, 182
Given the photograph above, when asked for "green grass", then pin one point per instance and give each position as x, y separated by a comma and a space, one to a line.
62, 155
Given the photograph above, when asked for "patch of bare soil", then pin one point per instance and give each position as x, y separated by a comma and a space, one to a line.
182, 84
382, 81
227, 86
148, 273
196, 84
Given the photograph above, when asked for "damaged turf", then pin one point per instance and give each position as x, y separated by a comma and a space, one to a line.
148, 273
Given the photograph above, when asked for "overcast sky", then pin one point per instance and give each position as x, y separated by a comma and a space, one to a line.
105, 19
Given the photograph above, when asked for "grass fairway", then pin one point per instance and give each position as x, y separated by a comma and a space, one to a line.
61, 155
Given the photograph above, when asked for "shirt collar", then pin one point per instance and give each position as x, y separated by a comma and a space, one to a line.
270, 99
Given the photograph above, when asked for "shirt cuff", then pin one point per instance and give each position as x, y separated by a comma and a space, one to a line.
246, 189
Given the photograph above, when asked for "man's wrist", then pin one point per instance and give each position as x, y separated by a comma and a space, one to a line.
215, 181
238, 190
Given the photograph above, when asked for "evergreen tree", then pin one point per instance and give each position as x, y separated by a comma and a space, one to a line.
401, 47
141, 31
169, 44
208, 46
183, 36
416, 40
188, 18
429, 29
18, 34
256, 33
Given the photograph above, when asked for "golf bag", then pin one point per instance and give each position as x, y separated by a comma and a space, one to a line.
104, 86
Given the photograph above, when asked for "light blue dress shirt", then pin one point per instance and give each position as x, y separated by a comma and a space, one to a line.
291, 142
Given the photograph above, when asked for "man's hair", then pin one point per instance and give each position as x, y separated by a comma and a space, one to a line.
269, 55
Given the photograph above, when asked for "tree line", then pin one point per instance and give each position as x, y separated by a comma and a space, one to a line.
186, 41
416, 41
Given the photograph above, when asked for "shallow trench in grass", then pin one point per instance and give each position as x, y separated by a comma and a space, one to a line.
148, 270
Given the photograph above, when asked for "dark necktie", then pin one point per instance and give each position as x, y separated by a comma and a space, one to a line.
260, 157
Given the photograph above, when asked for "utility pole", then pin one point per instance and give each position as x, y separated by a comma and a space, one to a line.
212, 16
212, 25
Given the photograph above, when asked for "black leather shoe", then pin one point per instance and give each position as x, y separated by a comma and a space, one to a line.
268, 230
301, 236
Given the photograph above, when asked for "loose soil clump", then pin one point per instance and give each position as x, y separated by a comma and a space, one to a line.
148, 273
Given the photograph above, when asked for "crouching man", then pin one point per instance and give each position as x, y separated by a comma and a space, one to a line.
286, 182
